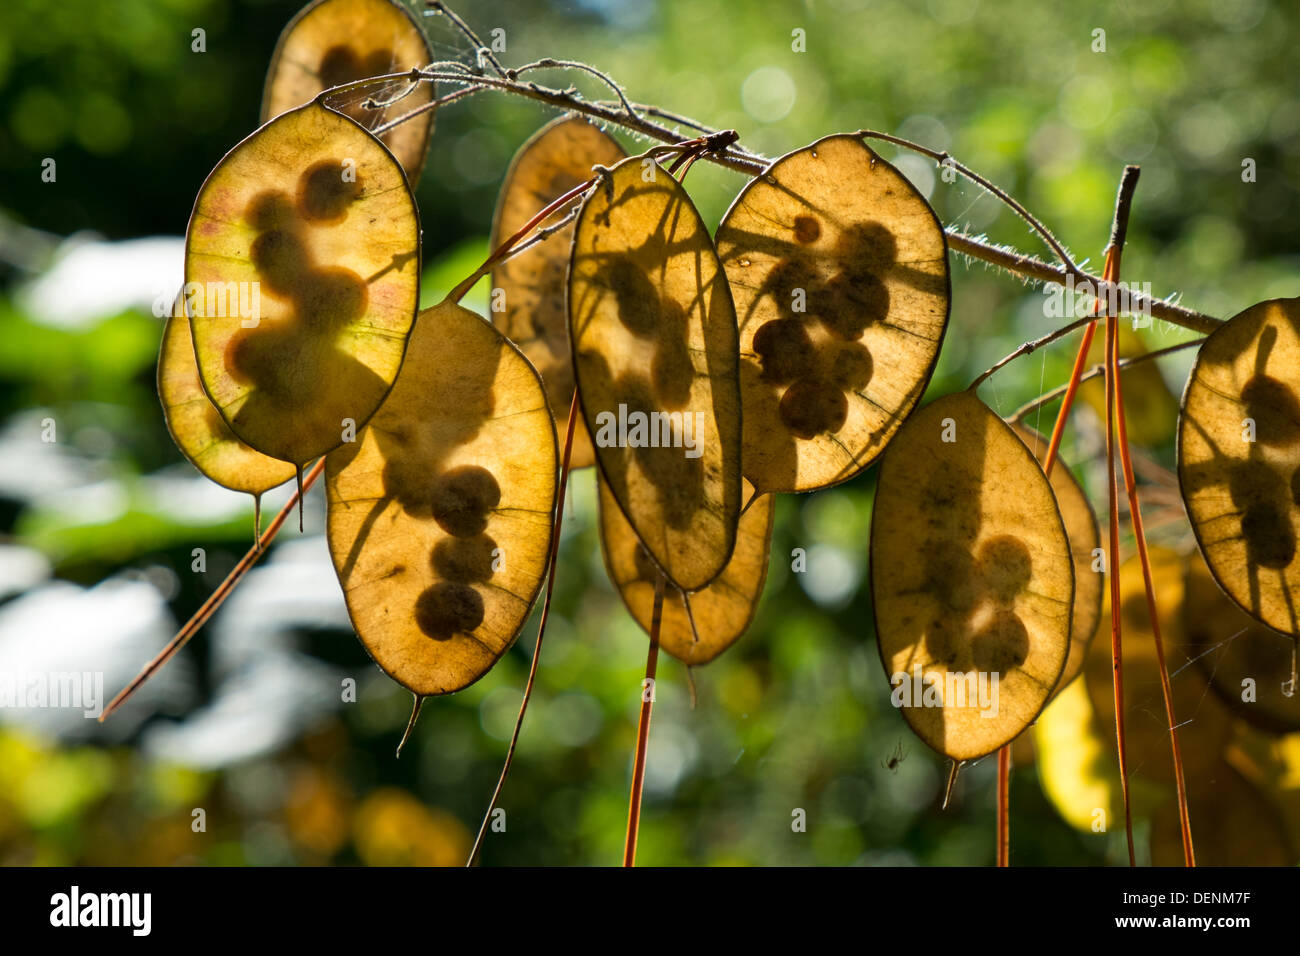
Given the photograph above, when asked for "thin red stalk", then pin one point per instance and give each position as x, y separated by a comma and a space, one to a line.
643, 727
541, 628
1135, 516
218, 596
1116, 639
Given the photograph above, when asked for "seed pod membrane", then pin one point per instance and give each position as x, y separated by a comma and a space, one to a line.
1231, 648
532, 285
722, 611
1239, 459
1081, 528
195, 424
302, 278
971, 577
440, 513
839, 269
653, 333
332, 42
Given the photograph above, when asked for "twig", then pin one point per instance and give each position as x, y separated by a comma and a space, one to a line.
480, 50
643, 727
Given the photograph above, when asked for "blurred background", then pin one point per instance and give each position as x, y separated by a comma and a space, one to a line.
98, 528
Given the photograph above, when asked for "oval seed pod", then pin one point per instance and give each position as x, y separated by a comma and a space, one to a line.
653, 334
534, 315
301, 282
839, 270
719, 613
195, 424
1231, 649
1081, 528
332, 42
1205, 727
1239, 455
972, 578
439, 515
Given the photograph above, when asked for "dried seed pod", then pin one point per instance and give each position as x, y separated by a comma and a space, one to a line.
972, 578
1205, 727
1081, 528
332, 42
440, 513
556, 159
839, 269
301, 282
1150, 408
653, 333
717, 614
1247, 664
1239, 459
195, 424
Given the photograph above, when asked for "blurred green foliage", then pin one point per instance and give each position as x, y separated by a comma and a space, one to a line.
796, 716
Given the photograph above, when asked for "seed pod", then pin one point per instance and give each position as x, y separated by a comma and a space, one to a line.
1150, 408
332, 42
653, 333
1238, 458
440, 513
839, 269
531, 286
309, 226
972, 578
1230, 647
718, 614
195, 424
1204, 725
1081, 528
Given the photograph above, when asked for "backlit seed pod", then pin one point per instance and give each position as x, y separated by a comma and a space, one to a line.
1089, 576
195, 424
1247, 664
302, 277
972, 578
439, 515
719, 613
653, 333
332, 42
530, 288
1150, 408
839, 270
1204, 725
1239, 459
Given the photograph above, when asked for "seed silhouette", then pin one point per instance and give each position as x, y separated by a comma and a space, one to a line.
332, 266
333, 42
556, 159
971, 577
646, 291
831, 247
1238, 455
439, 514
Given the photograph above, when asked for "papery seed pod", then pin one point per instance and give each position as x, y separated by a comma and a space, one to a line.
972, 578
839, 270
